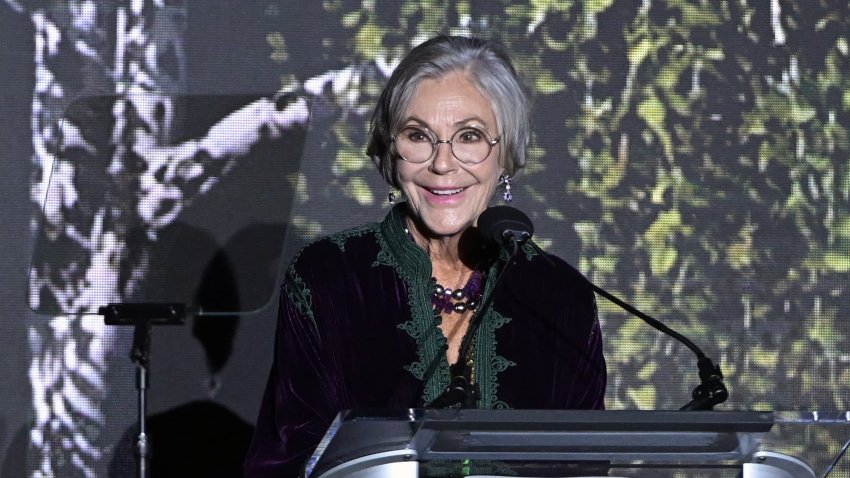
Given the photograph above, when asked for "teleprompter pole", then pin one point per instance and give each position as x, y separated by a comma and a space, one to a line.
142, 317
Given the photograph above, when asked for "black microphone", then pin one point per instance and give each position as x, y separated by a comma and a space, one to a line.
505, 226
510, 228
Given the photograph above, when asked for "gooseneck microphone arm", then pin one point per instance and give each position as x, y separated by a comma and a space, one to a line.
711, 391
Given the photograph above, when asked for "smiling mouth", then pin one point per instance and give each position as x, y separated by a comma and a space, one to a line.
446, 192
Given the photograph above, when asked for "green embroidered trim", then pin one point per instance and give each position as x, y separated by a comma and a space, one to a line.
386, 259
487, 363
414, 267
339, 238
299, 294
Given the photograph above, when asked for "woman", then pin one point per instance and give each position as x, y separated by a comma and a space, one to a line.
372, 317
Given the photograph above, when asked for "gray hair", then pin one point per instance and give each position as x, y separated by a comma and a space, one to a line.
486, 64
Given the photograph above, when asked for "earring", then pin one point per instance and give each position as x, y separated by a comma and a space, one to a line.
392, 197
506, 194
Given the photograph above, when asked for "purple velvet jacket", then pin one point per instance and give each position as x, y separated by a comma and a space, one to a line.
356, 329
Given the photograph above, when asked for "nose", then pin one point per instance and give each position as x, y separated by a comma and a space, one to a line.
444, 161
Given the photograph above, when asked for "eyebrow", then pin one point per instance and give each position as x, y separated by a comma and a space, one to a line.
456, 124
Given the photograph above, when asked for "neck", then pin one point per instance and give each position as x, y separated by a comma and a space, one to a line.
452, 257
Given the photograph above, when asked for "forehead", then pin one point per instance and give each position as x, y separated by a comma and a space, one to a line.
449, 100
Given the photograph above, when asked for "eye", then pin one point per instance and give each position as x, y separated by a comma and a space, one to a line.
416, 135
469, 135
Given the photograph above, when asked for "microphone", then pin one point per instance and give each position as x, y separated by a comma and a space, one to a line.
510, 228
506, 226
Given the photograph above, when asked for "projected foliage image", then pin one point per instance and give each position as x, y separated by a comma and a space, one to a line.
690, 156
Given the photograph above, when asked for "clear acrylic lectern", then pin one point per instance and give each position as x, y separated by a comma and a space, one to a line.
443, 443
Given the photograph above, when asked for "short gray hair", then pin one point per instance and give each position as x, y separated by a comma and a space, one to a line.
486, 64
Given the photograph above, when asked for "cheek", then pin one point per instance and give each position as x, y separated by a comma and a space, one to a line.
402, 175
490, 180
394, 175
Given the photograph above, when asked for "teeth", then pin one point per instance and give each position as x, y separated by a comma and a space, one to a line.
446, 192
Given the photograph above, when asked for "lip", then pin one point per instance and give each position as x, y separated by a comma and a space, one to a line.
444, 195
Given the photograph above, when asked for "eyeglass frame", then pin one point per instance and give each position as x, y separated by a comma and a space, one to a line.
435, 142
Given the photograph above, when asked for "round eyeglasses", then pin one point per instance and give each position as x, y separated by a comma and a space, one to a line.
470, 145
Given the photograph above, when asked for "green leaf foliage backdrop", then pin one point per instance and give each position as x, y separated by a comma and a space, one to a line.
690, 156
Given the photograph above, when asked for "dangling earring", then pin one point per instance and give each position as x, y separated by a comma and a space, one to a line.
506, 194
392, 197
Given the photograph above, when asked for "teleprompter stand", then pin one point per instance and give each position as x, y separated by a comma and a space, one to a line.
142, 317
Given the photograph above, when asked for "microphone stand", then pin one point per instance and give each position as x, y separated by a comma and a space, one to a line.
711, 391
461, 390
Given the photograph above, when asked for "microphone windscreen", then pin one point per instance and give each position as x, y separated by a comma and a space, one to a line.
496, 220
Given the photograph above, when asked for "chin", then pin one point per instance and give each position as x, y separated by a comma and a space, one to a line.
446, 229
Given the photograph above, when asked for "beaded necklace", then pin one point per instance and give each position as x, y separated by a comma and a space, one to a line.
458, 300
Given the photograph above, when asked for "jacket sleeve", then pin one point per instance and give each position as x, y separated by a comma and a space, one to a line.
295, 411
